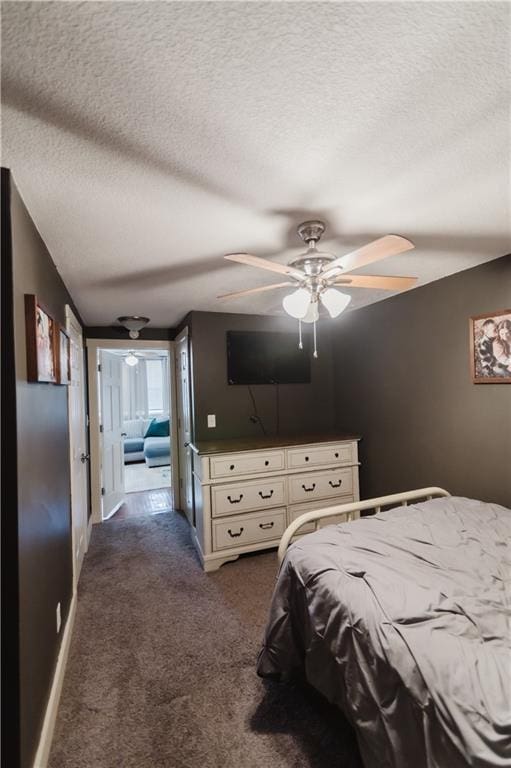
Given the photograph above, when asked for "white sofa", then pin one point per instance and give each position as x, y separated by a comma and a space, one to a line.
155, 451
134, 431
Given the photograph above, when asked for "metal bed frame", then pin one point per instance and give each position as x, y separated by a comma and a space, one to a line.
353, 509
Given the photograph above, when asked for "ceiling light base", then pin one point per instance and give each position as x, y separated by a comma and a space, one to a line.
311, 230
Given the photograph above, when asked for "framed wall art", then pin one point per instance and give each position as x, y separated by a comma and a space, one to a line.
42, 348
490, 347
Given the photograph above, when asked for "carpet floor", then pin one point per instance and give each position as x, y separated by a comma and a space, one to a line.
161, 672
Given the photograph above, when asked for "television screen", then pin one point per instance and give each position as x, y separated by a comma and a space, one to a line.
262, 357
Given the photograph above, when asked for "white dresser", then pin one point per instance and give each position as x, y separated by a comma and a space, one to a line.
248, 491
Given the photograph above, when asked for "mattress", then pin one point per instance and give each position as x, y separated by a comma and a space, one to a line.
403, 620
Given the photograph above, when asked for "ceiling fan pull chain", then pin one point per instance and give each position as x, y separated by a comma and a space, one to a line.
315, 349
300, 342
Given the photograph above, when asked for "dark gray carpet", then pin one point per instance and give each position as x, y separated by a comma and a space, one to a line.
161, 670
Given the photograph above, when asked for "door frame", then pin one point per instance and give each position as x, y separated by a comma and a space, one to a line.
93, 347
72, 320
184, 335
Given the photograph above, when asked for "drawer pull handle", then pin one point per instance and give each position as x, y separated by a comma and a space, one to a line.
335, 485
267, 495
306, 458
265, 526
336, 455
235, 501
231, 467
309, 489
235, 535
266, 463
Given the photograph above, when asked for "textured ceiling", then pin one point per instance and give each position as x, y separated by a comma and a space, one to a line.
150, 138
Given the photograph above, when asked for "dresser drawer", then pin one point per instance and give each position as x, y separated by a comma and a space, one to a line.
253, 528
320, 455
246, 463
320, 485
233, 498
299, 509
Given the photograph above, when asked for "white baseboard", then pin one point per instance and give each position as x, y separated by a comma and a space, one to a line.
43, 750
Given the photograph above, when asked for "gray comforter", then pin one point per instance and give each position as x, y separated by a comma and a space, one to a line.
403, 620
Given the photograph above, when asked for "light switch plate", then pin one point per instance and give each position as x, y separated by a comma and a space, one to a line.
211, 420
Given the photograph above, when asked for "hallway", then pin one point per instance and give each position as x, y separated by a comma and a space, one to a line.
161, 672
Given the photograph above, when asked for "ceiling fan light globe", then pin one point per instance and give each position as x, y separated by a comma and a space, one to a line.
335, 301
312, 314
297, 303
131, 360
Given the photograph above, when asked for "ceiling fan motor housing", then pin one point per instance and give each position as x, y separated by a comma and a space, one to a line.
312, 261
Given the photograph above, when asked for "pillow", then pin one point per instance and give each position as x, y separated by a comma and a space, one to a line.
158, 428
145, 426
135, 428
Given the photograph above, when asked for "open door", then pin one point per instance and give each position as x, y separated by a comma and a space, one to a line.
77, 443
184, 426
112, 452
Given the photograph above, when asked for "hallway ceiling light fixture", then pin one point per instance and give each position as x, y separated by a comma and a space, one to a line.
318, 273
131, 359
134, 324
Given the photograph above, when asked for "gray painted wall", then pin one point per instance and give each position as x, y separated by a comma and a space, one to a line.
303, 407
44, 530
403, 381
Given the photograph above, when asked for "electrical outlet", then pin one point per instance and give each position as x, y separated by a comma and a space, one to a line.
59, 618
211, 420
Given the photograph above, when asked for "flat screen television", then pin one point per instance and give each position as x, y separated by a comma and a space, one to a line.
267, 357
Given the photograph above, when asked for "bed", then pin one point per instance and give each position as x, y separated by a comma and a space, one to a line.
403, 620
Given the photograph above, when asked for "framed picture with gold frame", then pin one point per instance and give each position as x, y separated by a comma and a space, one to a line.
490, 347
41, 342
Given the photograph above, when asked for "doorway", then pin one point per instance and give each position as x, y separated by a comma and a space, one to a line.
133, 429
146, 421
184, 421
77, 444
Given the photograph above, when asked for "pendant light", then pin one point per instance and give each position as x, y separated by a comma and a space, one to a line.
131, 359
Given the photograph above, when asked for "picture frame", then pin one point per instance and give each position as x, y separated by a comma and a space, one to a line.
63, 357
41, 342
490, 347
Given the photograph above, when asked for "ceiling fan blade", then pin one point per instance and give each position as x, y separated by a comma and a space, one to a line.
272, 266
262, 288
390, 245
384, 283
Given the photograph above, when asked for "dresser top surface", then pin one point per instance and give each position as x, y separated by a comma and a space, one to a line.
233, 445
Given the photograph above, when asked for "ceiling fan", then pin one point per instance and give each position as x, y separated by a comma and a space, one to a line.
318, 273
